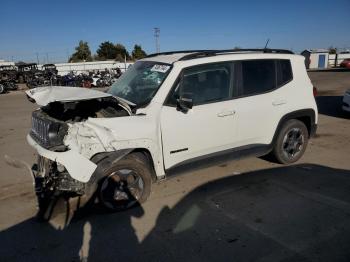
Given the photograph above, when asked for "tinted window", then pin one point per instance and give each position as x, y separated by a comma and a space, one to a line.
207, 83
258, 76
285, 72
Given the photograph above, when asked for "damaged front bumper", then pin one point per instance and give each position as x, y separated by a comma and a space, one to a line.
78, 167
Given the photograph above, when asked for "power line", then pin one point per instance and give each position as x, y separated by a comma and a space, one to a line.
156, 35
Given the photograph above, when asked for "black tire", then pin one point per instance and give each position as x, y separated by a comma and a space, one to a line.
2, 89
291, 142
109, 171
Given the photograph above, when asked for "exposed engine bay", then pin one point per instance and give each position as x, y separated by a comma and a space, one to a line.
77, 111
62, 107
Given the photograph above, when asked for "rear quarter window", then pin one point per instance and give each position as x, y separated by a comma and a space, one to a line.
285, 73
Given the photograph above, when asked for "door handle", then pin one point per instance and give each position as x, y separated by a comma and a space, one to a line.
226, 113
279, 102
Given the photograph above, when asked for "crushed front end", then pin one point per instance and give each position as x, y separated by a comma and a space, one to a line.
64, 166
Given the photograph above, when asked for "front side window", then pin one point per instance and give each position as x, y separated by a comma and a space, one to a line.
140, 82
258, 76
206, 83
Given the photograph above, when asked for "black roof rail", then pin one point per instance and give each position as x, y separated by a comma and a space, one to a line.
178, 52
205, 53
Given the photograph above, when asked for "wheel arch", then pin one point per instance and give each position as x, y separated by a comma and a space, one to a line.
106, 158
307, 116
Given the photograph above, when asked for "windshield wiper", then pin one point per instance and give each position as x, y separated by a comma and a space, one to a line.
125, 101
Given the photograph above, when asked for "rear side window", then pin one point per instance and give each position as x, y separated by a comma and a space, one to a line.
284, 72
258, 76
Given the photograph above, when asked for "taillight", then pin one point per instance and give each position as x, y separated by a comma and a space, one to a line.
314, 90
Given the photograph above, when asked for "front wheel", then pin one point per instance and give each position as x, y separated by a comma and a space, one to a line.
125, 183
291, 142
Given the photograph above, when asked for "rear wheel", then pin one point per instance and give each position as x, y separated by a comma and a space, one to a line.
291, 142
2, 88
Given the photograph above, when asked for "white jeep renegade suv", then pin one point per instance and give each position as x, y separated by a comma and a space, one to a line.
168, 113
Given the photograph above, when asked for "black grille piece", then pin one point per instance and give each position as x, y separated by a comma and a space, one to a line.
46, 131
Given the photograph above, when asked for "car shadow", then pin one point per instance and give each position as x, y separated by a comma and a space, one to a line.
290, 213
331, 106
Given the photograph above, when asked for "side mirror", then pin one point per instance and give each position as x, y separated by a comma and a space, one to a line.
185, 102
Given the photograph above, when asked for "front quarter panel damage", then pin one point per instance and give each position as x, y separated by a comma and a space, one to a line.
95, 136
88, 139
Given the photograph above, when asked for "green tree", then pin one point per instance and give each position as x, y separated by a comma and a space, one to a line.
82, 53
121, 53
106, 50
138, 52
332, 50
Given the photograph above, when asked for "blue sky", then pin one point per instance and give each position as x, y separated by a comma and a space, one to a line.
53, 28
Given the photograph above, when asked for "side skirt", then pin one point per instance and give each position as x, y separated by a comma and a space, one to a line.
218, 158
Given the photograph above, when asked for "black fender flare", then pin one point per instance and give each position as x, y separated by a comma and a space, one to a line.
308, 114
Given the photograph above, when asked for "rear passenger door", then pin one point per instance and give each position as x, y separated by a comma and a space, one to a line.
261, 99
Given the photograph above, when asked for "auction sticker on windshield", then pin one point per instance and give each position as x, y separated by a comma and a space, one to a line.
160, 68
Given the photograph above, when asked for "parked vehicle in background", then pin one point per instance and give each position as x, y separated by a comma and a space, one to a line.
345, 63
26, 72
7, 85
8, 75
168, 113
50, 69
8, 72
346, 101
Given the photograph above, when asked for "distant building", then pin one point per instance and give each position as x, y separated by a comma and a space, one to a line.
3, 62
316, 58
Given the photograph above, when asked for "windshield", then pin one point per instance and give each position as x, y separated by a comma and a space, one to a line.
140, 82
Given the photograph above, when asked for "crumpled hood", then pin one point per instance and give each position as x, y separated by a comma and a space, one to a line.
48, 94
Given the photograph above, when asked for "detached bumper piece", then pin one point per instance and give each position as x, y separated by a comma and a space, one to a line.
79, 167
50, 181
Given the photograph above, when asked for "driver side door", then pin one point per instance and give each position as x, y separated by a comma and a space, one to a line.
209, 126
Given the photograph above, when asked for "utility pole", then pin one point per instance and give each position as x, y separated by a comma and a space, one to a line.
67, 53
47, 58
156, 35
37, 57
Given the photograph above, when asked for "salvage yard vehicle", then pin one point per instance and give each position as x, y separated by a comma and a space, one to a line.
7, 85
8, 72
50, 69
169, 113
26, 72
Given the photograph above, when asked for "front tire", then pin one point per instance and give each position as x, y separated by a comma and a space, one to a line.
125, 183
291, 142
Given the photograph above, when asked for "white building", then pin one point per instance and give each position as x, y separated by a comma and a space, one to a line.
316, 58
83, 67
3, 62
